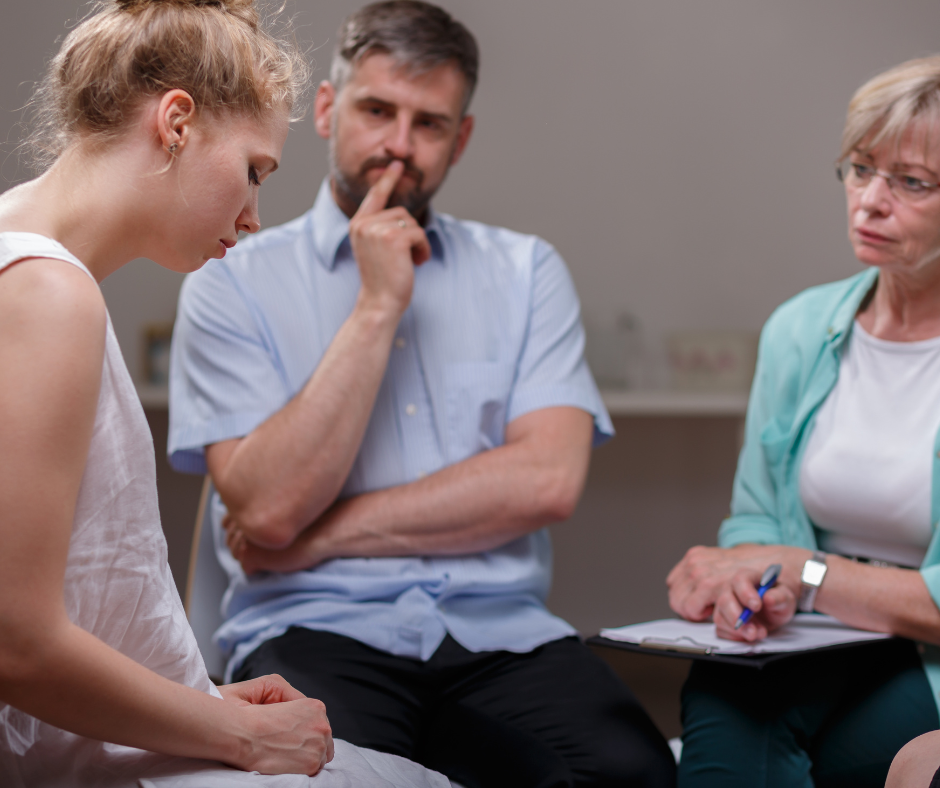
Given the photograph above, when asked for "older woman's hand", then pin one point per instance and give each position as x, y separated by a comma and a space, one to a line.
705, 574
773, 611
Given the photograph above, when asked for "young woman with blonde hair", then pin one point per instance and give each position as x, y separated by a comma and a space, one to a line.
161, 118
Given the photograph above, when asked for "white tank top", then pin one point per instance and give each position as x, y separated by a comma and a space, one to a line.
866, 476
119, 588
118, 584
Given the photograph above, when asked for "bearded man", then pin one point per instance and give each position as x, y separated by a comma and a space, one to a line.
393, 404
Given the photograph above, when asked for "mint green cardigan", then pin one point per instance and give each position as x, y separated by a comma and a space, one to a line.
797, 366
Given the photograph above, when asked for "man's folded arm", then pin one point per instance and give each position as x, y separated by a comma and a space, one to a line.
289, 470
533, 479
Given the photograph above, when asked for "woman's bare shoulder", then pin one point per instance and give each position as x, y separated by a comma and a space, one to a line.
50, 304
45, 282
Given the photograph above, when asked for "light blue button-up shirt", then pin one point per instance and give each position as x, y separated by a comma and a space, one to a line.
493, 332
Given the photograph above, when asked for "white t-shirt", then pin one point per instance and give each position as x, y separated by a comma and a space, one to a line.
867, 471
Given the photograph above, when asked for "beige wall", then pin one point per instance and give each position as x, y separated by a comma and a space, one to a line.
678, 152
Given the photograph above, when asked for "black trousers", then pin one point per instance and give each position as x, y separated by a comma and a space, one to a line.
556, 716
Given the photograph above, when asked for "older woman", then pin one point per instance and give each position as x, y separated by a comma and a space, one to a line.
838, 481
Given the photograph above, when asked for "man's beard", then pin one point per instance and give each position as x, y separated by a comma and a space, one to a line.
353, 188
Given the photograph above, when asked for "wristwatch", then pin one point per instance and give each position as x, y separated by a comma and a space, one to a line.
814, 570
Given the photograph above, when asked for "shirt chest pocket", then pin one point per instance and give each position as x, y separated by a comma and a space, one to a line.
477, 397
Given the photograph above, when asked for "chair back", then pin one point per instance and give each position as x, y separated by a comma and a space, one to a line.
205, 586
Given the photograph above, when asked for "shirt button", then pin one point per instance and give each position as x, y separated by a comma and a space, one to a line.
411, 409
421, 474
400, 343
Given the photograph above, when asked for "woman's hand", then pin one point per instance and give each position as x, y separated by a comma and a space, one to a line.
292, 737
773, 611
260, 691
286, 732
879, 599
705, 574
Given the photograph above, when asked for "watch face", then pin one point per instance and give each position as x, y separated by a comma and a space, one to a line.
813, 573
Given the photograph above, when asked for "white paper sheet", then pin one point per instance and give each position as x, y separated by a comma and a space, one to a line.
805, 632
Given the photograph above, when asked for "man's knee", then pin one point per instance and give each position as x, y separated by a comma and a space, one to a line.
644, 766
630, 751
612, 741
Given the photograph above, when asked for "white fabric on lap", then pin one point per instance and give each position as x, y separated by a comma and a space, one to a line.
351, 767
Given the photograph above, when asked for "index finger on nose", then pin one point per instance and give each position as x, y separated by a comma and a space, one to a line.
377, 197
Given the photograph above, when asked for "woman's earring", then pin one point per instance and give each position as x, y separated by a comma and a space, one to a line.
173, 147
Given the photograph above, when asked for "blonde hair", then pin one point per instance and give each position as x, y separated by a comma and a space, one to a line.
126, 51
885, 106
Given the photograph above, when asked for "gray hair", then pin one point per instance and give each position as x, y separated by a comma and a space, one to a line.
885, 106
221, 52
417, 35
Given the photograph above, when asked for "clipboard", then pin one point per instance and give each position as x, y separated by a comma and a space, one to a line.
680, 651
807, 634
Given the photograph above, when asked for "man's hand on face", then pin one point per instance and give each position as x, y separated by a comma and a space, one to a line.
387, 243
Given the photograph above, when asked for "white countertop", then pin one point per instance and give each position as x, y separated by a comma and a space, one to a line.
670, 402
627, 402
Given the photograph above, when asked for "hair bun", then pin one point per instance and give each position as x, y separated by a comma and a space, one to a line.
228, 5
242, 9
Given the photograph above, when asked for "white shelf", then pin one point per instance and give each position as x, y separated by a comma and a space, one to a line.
635, 402
153, 397
627, 402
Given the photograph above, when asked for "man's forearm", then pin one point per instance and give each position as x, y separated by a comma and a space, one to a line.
479, 504
288, 471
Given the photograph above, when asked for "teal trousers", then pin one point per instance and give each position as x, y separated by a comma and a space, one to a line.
828, 720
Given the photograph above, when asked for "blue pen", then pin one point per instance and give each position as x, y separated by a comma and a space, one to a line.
768, 580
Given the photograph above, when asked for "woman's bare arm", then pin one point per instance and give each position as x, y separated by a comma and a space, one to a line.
52, 324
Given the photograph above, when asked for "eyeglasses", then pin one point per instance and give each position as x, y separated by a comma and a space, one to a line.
906, 187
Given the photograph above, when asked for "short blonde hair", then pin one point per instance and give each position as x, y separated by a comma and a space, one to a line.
126, 51
885, 106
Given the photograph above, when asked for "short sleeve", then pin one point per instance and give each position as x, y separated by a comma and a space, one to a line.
552, 370
225, 377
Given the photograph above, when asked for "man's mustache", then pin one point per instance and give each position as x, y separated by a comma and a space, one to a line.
382, 162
